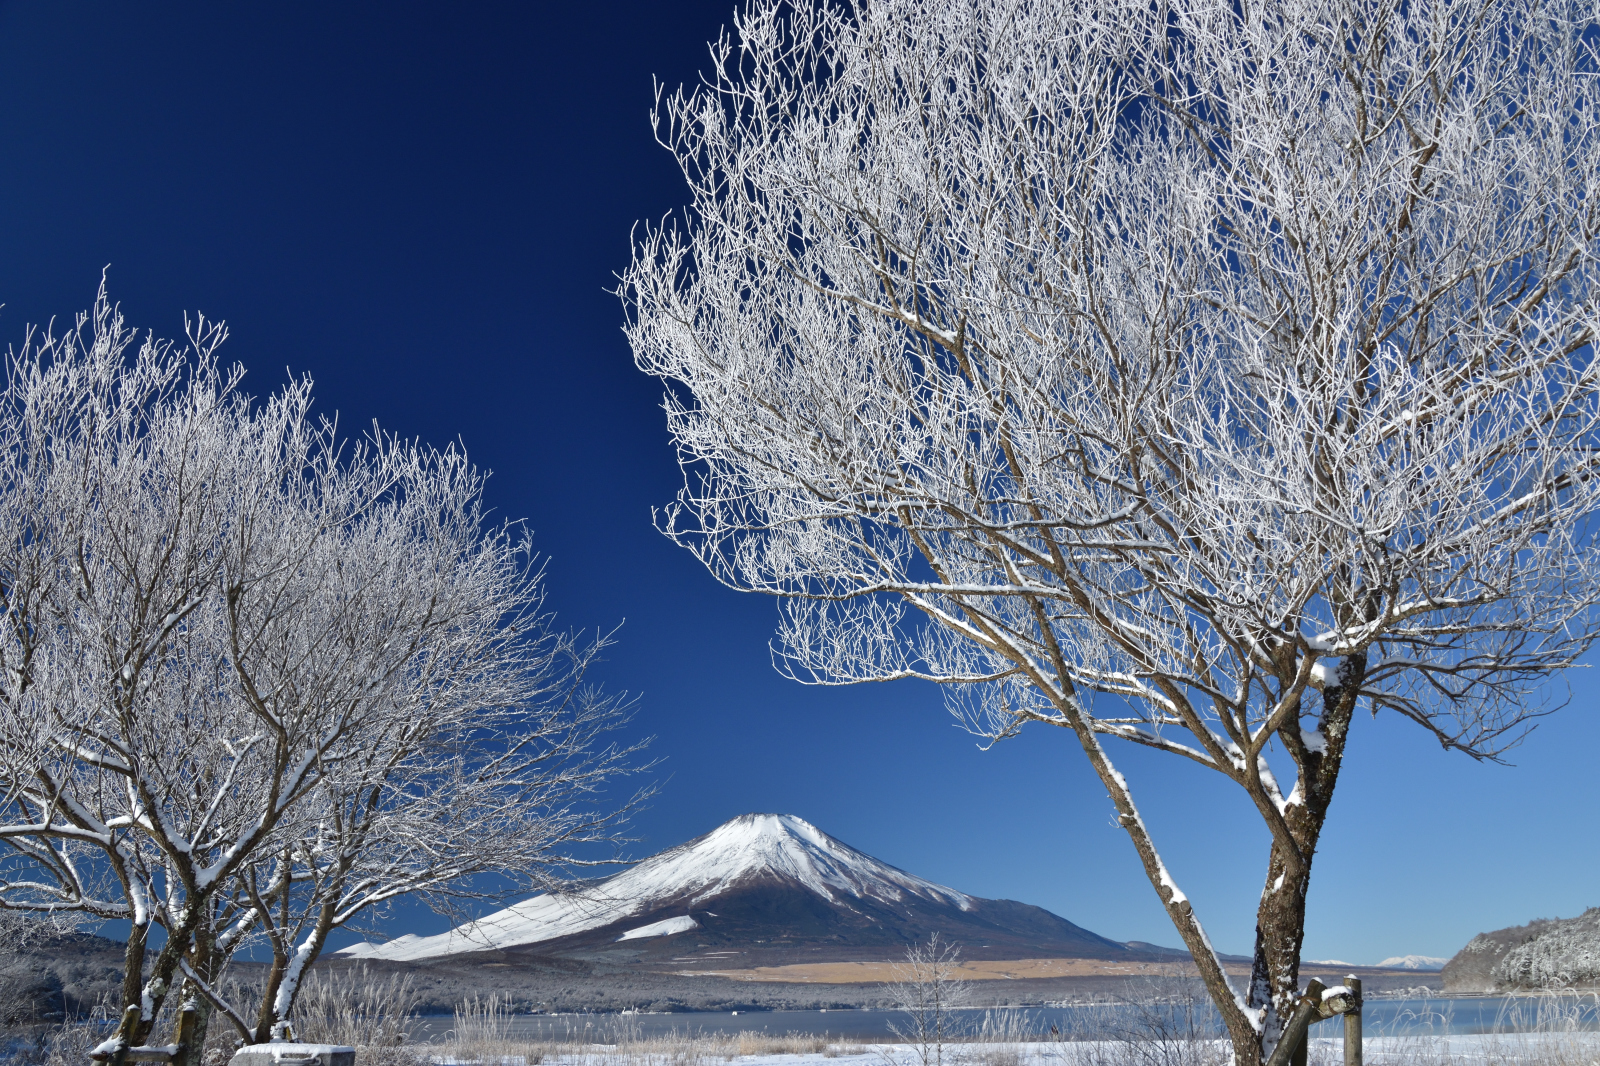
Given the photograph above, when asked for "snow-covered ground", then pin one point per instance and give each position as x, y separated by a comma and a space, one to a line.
1534, 1049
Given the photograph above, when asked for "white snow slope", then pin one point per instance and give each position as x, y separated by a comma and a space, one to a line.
1414, 962
668, 927
749, 846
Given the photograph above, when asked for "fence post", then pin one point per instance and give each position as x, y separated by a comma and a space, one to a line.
1352, 1024
188, 1022
124, 1035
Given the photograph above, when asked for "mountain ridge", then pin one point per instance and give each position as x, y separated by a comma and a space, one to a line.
760, 887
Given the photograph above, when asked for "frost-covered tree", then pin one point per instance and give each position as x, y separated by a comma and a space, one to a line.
249, 671
1555, 954
508, 791
1186, 375
928, 989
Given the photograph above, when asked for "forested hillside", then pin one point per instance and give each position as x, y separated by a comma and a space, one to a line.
1547, 953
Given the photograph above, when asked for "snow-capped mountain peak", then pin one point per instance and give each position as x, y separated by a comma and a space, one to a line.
755, 845
1414, 962
748, 849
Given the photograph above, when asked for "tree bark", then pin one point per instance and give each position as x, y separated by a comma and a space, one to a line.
1280, 931
265, 1015
279, 1000
204, 961
1281, 915
133, 966
180, 942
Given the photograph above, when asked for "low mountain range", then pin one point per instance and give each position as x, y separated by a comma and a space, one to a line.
760, 890
1428, 963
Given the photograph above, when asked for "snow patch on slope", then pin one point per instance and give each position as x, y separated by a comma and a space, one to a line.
748, 847
681, 924
1414, 962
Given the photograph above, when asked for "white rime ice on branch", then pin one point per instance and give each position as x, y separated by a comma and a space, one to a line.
256, 680
1232, 364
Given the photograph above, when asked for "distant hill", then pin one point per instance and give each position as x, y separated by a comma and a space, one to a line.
50, 977
759, 890
1548, 953
1413, 962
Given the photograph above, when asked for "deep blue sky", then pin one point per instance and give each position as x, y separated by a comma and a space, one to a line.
422, 206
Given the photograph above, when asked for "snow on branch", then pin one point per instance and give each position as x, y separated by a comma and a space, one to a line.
260, 678
1230, 369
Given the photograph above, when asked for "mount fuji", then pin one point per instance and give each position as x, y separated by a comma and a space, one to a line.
771, 888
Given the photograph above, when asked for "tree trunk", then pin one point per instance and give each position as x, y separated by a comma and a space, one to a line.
1240, 1025
1280, 931
280, 1000
265, 1016
133, 966
1281, 915
165, 968
204, 961
193, 1053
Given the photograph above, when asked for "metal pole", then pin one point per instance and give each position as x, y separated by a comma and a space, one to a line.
1352, 1024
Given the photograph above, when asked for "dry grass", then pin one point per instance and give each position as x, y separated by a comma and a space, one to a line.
1169, 1024
673, 1049
1556, 1030
56, 1045
839, 973
354, 1007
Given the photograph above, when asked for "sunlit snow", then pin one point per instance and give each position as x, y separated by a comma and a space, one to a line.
681, 924
1483, 1049
1414, 962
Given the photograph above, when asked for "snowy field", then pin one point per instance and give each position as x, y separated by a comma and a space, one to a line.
1556, 1049
1570, 1048
1547, 1031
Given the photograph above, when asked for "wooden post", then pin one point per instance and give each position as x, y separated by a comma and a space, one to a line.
124, 1035
188, 1022
1352, 1024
